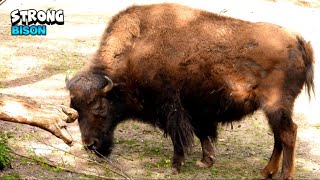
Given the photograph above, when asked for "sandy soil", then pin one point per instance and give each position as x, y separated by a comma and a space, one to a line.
36, 67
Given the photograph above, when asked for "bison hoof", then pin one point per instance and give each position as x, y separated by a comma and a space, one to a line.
206, 162
176, 166
175, 171
267, 174
203, 165
286, 177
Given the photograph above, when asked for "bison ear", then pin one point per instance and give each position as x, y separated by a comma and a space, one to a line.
108, 87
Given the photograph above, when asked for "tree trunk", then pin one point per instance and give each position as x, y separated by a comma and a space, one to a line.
52, 118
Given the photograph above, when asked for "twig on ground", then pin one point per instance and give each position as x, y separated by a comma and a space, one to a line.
57, 166
125, 157
121, 173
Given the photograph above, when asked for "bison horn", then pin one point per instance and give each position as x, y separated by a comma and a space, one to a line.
109, 86
67, 77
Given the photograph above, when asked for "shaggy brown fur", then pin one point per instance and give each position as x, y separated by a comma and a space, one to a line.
186, 70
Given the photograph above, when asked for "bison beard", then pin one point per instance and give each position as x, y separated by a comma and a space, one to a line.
185, 71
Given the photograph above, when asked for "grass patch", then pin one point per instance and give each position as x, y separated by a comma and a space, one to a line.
154, 150
214, 171
162, 163
43, 162
166, 163
317, 126
5, 155
151, 149
60, 62
11, 176
131, 142
135, 126
190, 167
2, 86
24, 161
128, 142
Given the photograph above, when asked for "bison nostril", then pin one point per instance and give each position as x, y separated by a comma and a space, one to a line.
92, 145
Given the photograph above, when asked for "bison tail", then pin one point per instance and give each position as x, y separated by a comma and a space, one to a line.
308, 58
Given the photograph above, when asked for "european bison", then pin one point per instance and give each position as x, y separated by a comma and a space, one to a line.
185, 71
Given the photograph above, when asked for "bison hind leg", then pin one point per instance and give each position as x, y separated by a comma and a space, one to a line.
208, 154
285, 131
207, 137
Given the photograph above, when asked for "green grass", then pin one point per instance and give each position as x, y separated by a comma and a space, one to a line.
43, 162
162, 163
11, 176
165, 162
62, 61
150, 149
131, 142
214, 171
24, 161
128, 142
135, 127
5, 155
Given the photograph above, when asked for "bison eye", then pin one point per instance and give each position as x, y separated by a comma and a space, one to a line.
95, 106
98, 108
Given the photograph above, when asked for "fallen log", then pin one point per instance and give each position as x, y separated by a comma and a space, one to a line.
52, 118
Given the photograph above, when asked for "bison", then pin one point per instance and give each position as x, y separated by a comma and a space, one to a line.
185, 71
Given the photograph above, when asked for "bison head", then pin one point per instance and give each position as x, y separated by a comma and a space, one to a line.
91, 95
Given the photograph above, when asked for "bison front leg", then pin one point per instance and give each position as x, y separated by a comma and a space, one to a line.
178, 157
181, 133
179, 128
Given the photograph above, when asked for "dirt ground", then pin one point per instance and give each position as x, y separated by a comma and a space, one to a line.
35, 66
